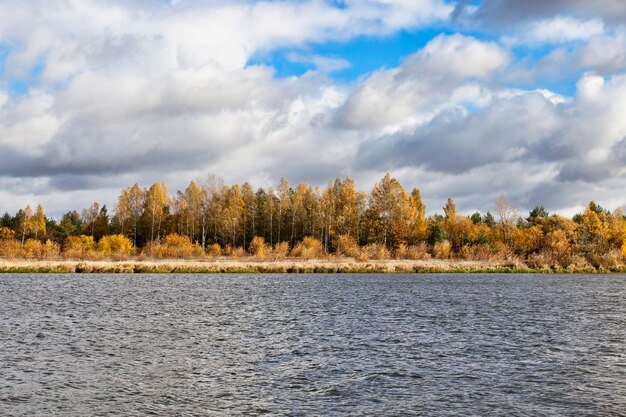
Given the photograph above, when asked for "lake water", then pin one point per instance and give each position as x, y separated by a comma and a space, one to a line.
78, 345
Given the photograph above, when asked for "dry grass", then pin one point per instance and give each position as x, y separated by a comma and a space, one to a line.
288, 265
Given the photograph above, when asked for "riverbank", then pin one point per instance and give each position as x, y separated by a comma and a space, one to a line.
281, 266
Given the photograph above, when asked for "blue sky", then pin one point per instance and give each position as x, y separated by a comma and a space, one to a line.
460, 100
365, 54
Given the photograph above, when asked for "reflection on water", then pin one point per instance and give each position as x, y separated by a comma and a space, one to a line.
312, 345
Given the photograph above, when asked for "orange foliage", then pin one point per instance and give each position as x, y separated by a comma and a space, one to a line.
173, 246
309, 248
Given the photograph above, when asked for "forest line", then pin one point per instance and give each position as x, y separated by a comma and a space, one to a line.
214, 219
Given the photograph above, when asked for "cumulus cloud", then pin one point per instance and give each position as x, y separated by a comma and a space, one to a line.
568, 144
415, 91
76, 36
559, 29
138, 91
124, 89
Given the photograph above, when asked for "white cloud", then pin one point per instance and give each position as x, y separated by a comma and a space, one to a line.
76, 36
133, 92
558, 29
603, 53
417, 90
322, 63
551, 142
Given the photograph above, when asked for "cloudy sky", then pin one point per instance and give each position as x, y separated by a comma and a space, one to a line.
466, 99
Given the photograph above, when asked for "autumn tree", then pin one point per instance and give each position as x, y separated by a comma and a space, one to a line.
156, 201
90, 216
507, 216
350, 208
129, 209
193, 198
417, 217
388, 212
233, 206
593, 231
249, 213
284, 204
25, 221
39, 222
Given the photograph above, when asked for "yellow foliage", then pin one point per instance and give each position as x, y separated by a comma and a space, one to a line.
51, 249
115, 245
617, 229
258, 247
557, 244
375, 251
442, 250
79, 247
280, 250
528, 240
173, 246
10, 248
214, 250
309, 248
347, 246
6, 233
594, 224
480, 252
413, 252
237, 252
31, 249
34, 249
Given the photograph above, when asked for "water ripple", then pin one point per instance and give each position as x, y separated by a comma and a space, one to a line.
303, 345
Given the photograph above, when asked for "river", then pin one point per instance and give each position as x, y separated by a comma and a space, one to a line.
298, 345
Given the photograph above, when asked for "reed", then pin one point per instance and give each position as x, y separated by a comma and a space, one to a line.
289, 265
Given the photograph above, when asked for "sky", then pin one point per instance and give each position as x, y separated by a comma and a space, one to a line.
462, 99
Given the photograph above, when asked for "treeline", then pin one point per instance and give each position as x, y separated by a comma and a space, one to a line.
212, 219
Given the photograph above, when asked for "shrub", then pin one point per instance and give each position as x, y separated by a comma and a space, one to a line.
79, 247
608, 261
214, 250
413, 252
51, 250
238, 252
115, 245
375, 251
347, 246
258, 247
173, 246
6, 233
480, 252
309, 248
280, 250
10, 248
34, 249
577, 263
441, 250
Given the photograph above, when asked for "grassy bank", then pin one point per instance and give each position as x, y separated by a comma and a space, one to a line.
280, 266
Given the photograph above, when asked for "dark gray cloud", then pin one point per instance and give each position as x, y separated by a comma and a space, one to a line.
455, 142
506, 12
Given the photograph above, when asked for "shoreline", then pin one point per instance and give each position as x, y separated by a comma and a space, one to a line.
215, 266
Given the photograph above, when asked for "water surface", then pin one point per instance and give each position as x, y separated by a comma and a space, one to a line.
295, 345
